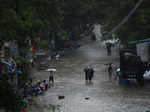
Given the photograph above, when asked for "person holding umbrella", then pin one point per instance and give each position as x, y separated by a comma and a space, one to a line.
51, 77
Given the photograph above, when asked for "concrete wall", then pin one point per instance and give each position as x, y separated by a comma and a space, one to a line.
143, 51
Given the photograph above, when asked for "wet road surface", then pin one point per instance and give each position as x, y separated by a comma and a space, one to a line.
100, 96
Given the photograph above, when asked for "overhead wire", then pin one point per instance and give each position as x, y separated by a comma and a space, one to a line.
125, 19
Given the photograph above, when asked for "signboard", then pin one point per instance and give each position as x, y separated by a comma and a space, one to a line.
143, 51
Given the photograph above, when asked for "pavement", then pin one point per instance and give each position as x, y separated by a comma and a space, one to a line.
71, 93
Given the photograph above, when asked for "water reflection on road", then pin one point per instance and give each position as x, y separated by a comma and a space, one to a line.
101, 96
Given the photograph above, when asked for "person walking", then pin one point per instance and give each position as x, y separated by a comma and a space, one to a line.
86, 70
51, 77
110, 70
57, 57
91, 74
108, 47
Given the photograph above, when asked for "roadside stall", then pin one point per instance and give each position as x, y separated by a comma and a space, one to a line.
142, 49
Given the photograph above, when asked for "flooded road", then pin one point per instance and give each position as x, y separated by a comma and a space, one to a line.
100, 96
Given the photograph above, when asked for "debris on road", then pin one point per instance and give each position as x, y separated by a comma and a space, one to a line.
87, 98
61, 97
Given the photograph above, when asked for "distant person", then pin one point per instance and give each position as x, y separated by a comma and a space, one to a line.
51, 77
90, 74
86, 70
108, 47
110, 70
57, 57
45, 84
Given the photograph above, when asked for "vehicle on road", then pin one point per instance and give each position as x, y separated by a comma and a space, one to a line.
131, 66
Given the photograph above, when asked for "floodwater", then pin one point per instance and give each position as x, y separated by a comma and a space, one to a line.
102, 95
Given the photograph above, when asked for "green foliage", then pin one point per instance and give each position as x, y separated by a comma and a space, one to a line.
20, 19
137, 27
9, 99
24, 77
62, 35
23, 65
21, 60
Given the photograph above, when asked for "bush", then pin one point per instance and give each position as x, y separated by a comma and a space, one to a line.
9, 99
23, 65
21, 60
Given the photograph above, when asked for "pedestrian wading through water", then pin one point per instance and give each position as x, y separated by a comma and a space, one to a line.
89, 74
110, 70
51, 77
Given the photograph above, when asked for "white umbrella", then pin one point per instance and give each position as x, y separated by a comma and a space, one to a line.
51, 70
